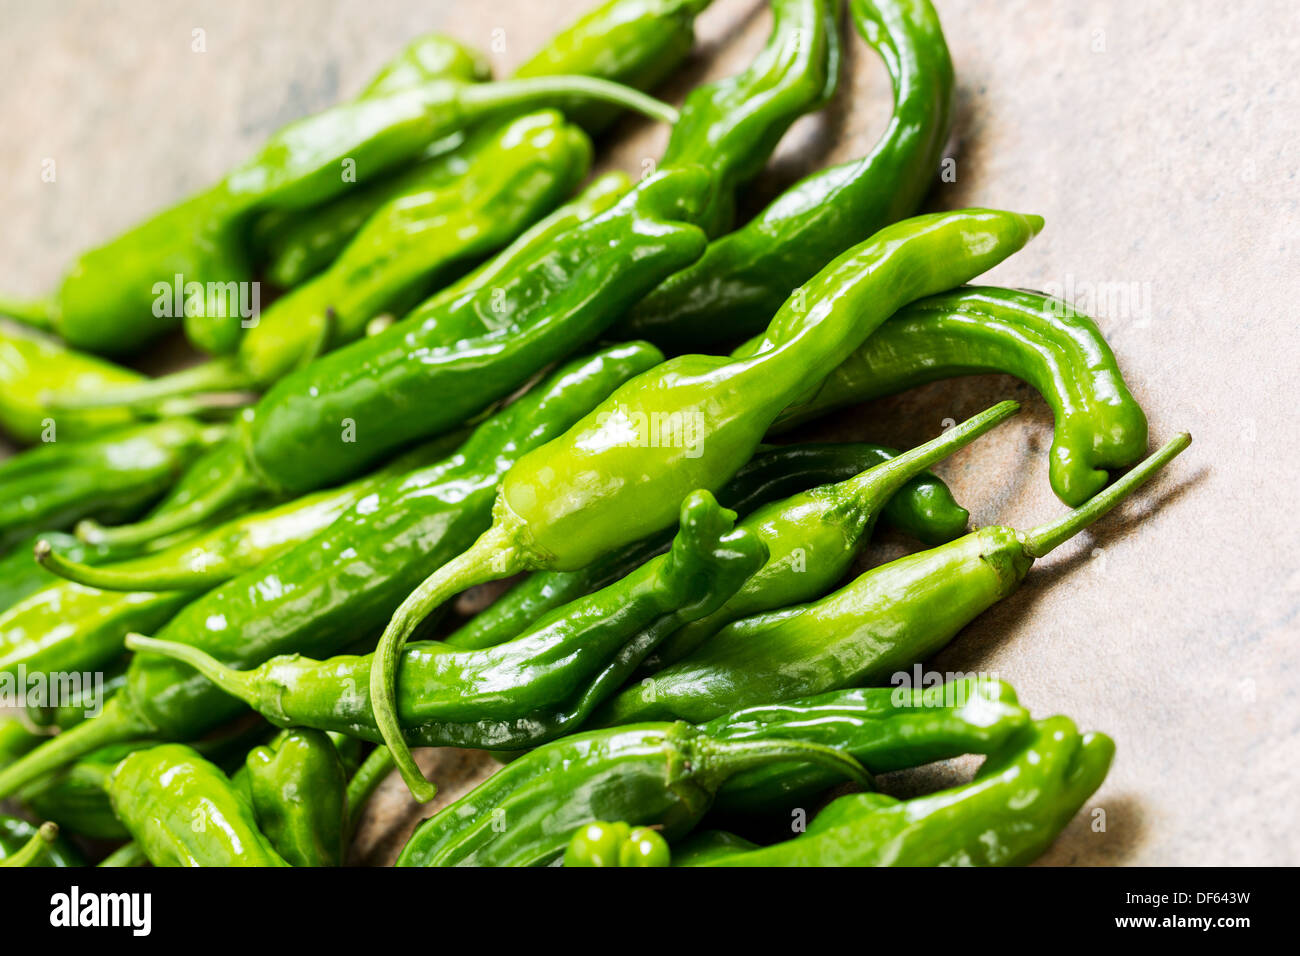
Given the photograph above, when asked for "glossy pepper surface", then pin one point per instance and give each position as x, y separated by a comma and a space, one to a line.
923, 507
1043, 341
183, 811
1021, 798
526, 691
380, 548
617, 844
692, 422
299, 794
732, 291
877, 625
661, 775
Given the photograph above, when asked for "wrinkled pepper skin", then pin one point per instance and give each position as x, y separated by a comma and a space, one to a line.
924, 508
617, 844
812, 538
886, 728
329, 591
16, 834
636, 42
889, 618
1021, 798
1040, 340
610, 480
661, 775
183, 811
732, 291
32, 364
526, 691
299, 794
113, 476
733, 125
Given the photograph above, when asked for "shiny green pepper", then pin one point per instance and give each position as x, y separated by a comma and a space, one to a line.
299, 793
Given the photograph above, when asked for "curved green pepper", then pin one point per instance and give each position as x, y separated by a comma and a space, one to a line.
111, 476
661, 775
464, 205
299, 793
887, 619
618, 475
20, 576
1044, 341
334, 588
923, 507
732, 291
617, 844
1022, 797
523, 692
183, 811
887, 729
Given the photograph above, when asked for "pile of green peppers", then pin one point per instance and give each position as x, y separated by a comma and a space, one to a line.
485, 367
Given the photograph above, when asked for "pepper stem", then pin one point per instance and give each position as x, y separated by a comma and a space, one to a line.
506, 94
34, 848
217, 375
115, 725
231, 681
738, 755
1045, 537
109, 578
491, 557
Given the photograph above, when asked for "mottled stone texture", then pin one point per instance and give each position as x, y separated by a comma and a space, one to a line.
1158, 139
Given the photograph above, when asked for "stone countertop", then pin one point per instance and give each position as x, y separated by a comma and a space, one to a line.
1159, 141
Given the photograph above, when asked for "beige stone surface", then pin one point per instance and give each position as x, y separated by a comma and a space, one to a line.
1160, 141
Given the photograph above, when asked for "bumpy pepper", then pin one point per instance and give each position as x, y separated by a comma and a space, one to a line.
617, 475
732, 291
617, 844
526, 691
342, 583
1021, 798
923, 507
887, 619
977, 330
299, 793
183, 811
661, 775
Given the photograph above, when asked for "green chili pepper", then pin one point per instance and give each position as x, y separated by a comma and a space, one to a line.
661, 775
183, 811
732, 291
923, 507
888, 618
526, 691
110, 299
617, 844
20, 576
365, 781
469, 203
609, 480
299, 792
1022, 797
34, 851
32, 364
1044, 341
887, 729
16, 834
72, 704
637, 42
113, 476
813, 537
379, 550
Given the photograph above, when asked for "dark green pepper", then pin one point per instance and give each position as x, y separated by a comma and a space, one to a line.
732, 291
299, 793
1021, 798
112, 476
977, 330
380, 550
523, 692
923, 508
887, 619
183, 811
660, 775
617, 844
618, 475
